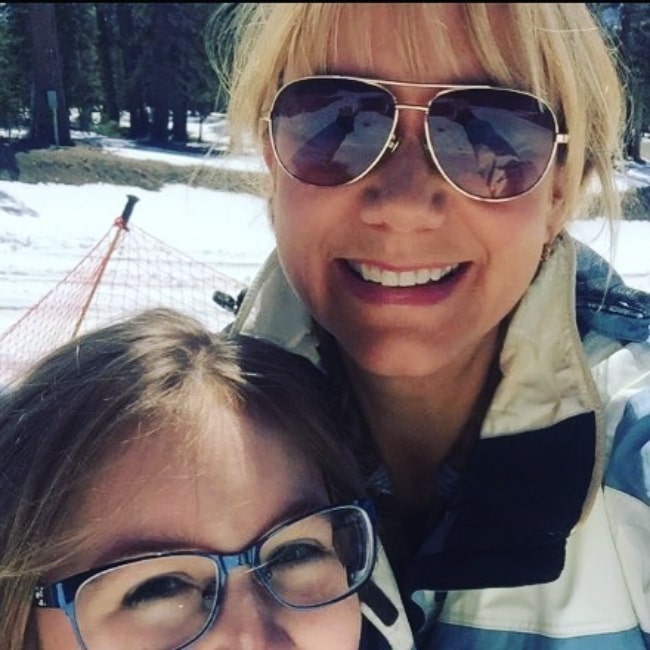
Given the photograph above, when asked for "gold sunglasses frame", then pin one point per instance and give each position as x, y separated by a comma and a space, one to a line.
393, 142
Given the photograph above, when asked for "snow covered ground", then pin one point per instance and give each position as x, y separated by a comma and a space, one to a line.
45, 229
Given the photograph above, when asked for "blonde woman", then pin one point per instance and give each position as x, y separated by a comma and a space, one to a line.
424, 161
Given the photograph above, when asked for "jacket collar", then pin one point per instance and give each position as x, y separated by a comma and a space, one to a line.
271, 310
545, 378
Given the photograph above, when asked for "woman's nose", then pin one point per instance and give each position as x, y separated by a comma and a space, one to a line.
247, 620
405, 192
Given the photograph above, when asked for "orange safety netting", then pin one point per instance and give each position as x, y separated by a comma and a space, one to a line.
126, 271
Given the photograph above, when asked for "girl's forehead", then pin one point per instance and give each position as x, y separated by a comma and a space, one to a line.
233, 487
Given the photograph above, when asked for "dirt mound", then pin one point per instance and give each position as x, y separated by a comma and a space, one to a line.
84, 164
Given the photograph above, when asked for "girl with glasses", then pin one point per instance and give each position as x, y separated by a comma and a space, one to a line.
165, 488
424, 162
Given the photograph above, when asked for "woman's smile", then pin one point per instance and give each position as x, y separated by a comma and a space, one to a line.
393, 277
382, 285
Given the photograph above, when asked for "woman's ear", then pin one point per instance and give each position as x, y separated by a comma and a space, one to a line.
271, 165
557, 216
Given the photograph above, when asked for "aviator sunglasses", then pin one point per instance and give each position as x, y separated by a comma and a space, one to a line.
491, 144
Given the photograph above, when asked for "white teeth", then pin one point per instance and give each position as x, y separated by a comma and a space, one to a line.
386, 278
389, 278
407, 278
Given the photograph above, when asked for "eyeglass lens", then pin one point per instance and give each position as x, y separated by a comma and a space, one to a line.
166, 602
489, 143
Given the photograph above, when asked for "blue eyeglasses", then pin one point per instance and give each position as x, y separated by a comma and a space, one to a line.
167, 600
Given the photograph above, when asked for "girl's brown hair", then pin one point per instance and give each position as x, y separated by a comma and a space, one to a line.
88, 399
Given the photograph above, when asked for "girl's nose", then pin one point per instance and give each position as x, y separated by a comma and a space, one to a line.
246, 621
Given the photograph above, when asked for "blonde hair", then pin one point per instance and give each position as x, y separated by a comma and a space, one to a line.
86, 401
554, 50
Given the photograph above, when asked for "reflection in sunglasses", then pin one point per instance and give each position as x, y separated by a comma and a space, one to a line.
490, 143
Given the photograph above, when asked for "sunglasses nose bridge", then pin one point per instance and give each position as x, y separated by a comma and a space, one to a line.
401, 119
412, 107
395, 141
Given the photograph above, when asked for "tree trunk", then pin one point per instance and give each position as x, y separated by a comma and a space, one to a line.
50, 121
111, 108
634, 135
179, 124
161, 84
160, 116
139, 118
634, 119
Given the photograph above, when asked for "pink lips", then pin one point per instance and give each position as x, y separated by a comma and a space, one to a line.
418, 295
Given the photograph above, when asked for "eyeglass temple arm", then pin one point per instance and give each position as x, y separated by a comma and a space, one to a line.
49, 596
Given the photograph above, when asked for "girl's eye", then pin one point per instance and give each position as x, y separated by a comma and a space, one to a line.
159, 588
296, 553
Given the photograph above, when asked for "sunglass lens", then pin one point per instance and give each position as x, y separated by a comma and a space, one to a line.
491, 143
330, 131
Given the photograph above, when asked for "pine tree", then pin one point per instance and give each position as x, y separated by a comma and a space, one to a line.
178, 74
628, 26
49, 118
635, 43
14, 74
149, 59
106, 36
131, 19
77, 36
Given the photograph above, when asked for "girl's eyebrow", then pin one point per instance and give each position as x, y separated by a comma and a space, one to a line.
135, 543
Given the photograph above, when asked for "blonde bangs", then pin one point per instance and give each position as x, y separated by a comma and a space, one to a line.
283, 41
278, 41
